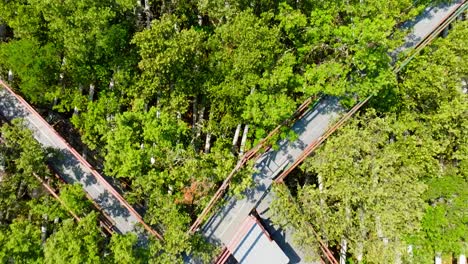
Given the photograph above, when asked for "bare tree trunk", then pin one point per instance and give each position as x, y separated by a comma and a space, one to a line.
236, 136
10, 75
200, 20
44, 230
20, 189
244, 140
75, 108
158, 112
61, 78
360, 246
322, 205
464, 85
201, 118
343, 250
56, 221
194, 116
149, 14
3, 28
139, 12
380, 232
208, 142
462, 259
445, 32
344, 241
438, 258
398, 252
91, 92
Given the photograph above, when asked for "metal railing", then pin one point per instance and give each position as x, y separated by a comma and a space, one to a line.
99, 177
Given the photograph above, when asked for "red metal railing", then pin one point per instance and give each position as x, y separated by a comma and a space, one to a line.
252, 153
83, 161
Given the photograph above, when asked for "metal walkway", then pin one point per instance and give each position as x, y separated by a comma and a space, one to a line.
71, 166
312, 129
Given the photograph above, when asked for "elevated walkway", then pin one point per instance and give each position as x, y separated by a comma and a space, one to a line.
69, 165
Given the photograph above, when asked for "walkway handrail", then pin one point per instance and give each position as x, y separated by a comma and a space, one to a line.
426, 40
433, 34
83, 161
252, 153
423, 43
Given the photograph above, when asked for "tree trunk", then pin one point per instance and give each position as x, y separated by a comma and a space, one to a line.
75, 108
194, 116
20, 189
201, 118
244, 140
3, 30
10, 75
236, 137
56, 221
149, 14
43, 232
464, 85
445, 32
158, 112
322, 205
208, 142
91, 92
360, 246
438, 258
344, 241
380, 233
462, 259
343, 250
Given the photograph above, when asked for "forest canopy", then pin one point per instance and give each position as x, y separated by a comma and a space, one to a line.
167, 95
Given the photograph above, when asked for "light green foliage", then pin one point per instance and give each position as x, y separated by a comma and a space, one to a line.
397, 178
199, 70
435, 94
23, 206
75, 243
24, 19
124, 249
75, 199
21, 243
172, 59
96, 119
370, 188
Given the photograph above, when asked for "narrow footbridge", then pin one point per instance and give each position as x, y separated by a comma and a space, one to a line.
312, 127
72, 167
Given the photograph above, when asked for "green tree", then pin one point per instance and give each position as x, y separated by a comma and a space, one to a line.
125, 249
367, 189
75, 243
21, 243
75, 199
35, 65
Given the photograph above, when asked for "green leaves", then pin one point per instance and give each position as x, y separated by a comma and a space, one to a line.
21, 243
389, 179
35, 65
124, 249
75, 243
